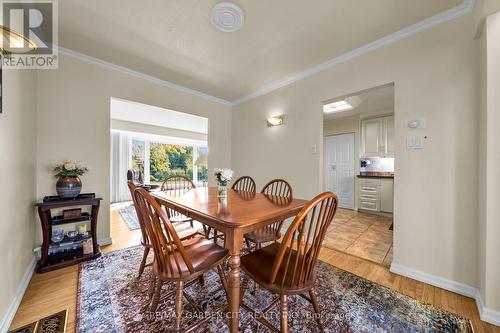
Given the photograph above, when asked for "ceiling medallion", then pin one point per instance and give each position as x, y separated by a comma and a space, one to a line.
227, 17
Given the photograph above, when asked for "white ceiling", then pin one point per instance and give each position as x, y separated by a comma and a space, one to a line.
174, 40
379, 100
152, 115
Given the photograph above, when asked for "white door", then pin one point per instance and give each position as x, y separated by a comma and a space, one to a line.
339, 168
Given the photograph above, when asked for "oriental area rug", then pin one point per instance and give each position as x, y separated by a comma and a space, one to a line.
112, 299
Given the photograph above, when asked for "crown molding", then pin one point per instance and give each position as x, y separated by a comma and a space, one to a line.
139, 75
462, 9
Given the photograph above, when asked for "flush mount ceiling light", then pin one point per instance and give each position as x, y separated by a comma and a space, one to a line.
274, 121
12, 42
227, 17
343, 105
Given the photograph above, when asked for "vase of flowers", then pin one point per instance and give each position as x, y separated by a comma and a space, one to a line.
223, 177
69, 185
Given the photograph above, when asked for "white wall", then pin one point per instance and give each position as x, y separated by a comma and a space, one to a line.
129, 126
17, 193
489, 182
74, 122
435, 76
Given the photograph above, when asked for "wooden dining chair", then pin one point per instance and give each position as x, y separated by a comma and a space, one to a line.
277, 189
183, 230
244, 184
289, 267
178, 184
176, 261
136, 177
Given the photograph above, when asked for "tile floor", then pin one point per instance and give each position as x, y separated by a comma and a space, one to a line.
361, 234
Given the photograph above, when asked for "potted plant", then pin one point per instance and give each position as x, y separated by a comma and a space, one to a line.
69, 185
223, 176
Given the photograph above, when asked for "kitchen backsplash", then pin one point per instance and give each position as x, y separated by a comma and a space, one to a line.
376, 164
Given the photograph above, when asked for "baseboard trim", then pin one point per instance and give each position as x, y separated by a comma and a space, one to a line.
11, 311
488, 315
437, 281
105, 241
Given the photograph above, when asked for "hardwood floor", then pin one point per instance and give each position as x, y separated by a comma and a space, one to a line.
51, 292
362, 235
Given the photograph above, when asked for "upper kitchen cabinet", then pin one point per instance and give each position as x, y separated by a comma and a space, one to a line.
377, 137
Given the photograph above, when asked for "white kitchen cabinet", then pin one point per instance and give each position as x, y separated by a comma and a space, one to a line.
371, 135
369, 194
377, 137
376, 194
386, 195
389, 135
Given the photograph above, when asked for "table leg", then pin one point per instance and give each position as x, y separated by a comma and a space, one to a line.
234, 242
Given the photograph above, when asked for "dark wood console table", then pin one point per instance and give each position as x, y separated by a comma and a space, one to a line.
47, 263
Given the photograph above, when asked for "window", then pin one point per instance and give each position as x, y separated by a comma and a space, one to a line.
167, 160
138, 156
157, 161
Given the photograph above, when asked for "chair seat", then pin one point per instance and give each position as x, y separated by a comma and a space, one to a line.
184, 231
262, 235
180, 218
258, 265
203, 254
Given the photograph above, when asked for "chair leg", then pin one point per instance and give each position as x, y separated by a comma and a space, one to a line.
255, 286
248, 243
156, 296
201, 280
314, 300
207, 230
284, 314
244, 286
178, 305
223, 279
215, 236
152, 286
143, 262
191, 223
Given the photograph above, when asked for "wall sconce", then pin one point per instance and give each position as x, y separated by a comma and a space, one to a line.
275, 121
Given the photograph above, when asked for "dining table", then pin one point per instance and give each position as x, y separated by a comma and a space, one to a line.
234, 215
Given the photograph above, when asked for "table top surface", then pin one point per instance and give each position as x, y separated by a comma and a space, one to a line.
239, 209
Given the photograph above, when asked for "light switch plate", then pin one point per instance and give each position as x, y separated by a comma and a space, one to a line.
415, 142
313, 149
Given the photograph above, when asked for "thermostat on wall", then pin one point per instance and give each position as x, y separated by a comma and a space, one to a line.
417, 123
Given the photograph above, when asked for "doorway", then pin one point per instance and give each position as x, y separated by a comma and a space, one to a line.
339, 168
151, 143
359, 158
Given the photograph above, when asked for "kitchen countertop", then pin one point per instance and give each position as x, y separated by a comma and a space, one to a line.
376, 175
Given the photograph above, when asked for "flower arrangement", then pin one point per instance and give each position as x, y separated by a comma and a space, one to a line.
223, 176
68, 168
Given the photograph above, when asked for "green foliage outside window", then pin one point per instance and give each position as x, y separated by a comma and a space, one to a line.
167, 160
